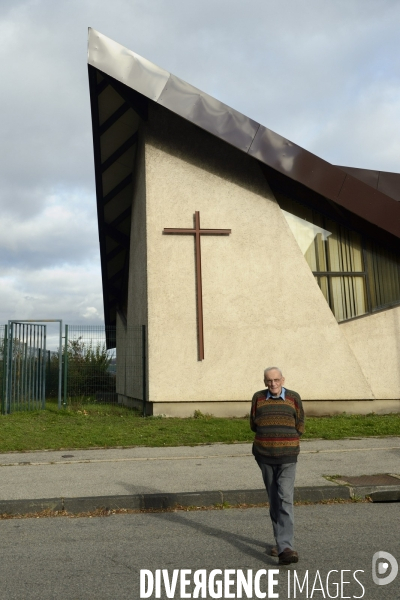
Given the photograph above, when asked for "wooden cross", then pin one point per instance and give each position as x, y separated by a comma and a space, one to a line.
197, 232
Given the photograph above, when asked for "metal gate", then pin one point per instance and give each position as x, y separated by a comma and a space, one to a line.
24, 367
3, 354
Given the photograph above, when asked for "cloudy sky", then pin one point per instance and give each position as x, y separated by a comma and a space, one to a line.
323, 73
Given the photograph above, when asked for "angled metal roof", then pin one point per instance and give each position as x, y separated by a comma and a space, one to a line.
121, 85
386, 182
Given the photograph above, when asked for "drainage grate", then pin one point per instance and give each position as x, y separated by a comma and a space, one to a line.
381, 479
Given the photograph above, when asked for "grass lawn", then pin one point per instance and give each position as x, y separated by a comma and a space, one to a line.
90, 425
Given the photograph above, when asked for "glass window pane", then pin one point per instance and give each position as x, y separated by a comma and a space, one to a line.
348, 297
383, 275
344, 249
311, 239
323, 284
326, 245
345, 295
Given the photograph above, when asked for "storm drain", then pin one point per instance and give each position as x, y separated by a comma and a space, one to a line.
381, 479
379, 488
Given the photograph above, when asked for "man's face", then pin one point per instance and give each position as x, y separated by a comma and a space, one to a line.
274, 382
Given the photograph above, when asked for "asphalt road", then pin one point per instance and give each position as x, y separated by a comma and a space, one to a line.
101, 558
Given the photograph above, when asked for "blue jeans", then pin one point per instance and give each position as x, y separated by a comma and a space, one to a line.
279, 482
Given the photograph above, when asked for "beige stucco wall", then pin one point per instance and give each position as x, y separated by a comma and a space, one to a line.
375, 341
262, 305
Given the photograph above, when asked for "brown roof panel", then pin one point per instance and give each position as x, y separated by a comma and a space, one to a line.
389, 184
366, 175
370, 204
297, 163
384, 181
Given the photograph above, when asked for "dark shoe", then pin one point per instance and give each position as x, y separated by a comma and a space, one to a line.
288, 557
274, 551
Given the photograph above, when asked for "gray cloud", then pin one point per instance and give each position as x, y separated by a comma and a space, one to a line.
64, 232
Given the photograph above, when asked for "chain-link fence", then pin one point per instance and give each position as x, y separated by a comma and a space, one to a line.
99, 368
52, 374
89, 367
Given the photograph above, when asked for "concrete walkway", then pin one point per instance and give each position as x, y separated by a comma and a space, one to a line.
83, 480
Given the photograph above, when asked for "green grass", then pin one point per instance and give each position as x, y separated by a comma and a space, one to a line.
343, 426
90, 425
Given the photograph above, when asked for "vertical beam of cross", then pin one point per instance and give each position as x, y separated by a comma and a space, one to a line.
198, 232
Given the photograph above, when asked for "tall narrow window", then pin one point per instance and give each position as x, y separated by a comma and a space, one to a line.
384, 276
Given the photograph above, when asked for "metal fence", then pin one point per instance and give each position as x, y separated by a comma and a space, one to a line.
89, 367
23, 358
3, 343
98, 367
101, 368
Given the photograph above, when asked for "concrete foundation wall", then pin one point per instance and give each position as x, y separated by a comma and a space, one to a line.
242, 409
262, 305
351, 407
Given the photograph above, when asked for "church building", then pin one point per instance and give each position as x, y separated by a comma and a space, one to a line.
238, 250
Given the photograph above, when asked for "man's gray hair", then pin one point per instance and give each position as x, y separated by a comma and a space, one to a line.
272, 369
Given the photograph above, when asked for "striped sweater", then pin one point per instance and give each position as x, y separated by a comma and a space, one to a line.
278, 425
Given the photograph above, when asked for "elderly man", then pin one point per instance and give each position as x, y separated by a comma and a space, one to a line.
277, 418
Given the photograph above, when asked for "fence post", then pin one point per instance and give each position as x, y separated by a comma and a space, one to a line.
65, 366
4, 378
9, 368
44, 356
48, 368
60, 365
144, 369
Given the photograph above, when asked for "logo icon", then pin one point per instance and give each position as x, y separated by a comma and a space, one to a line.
380, 565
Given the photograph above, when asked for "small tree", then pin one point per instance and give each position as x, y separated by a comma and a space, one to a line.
88, 368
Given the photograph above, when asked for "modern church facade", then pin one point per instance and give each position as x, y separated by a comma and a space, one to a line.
238, 250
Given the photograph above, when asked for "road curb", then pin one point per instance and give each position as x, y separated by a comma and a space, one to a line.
385, 495
321, 492
23, 507
167, 500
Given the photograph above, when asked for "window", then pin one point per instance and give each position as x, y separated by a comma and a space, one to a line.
356, 276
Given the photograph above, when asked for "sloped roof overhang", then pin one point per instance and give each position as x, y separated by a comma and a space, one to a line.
386, 182
138, 81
